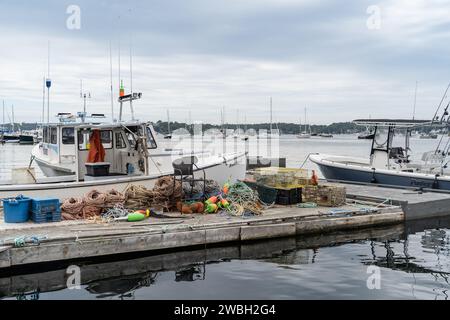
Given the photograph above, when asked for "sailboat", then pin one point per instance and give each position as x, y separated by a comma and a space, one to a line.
10, 136
305, 134
169, 134
272, 133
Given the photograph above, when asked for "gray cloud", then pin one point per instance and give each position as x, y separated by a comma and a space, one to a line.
200, 55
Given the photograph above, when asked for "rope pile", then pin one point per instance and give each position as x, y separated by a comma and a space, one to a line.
72, 209
91, 205
166, 193
138, 197
243, 200
113, 198
94, 204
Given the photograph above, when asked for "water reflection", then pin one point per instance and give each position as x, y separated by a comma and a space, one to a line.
415, 263
121, 287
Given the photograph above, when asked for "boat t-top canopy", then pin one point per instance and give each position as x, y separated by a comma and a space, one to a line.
403, 123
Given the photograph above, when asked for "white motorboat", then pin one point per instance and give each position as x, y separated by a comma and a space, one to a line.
132, 156
389, 164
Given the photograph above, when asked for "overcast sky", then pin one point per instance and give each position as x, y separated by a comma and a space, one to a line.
334, 57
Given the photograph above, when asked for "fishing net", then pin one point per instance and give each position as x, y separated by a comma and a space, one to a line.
243, 200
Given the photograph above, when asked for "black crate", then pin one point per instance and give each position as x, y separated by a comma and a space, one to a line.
266, 194
100, 169
289, 196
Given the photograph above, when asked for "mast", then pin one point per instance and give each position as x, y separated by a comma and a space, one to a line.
48, 83
131, 78
4, 115
43, 102
119, 72
12, 113
415, 100
306, 123
168, 122
111, 80
271, 120
190, 121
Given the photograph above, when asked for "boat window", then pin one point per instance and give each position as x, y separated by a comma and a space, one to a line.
68, 135
151, 142
45, 134
53, 135
131, 139
106, 136
120, 141
80, 140
381, 139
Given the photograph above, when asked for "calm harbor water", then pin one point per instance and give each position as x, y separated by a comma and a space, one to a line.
413, 259
413, 262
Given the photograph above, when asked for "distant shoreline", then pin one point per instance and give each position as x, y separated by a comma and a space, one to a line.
284, 128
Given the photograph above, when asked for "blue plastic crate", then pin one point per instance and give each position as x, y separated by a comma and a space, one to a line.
45, 210
16, 210
46, 217
45, 205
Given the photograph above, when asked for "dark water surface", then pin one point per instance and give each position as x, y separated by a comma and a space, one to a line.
414, 262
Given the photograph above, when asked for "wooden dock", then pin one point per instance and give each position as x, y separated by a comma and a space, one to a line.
415, 204
29, 243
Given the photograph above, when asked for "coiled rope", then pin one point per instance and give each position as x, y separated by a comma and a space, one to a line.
72, 208
113, 198
138, 197
94, 204
243, 200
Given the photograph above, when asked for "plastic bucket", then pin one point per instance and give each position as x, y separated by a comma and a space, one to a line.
16, 210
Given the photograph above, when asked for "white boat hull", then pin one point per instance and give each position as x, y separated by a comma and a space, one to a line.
229, 169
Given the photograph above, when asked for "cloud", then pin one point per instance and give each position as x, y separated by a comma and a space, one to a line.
201, 55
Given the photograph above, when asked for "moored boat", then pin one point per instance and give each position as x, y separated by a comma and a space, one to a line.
77, 157
389, 164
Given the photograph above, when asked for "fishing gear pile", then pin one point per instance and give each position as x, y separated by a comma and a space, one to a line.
91, 205
236, 200
195, 188
166, 193
243, 200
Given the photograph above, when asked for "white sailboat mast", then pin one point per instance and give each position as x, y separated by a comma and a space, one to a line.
111, 80
271, 115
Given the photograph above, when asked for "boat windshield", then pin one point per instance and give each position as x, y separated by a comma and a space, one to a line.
151, 142
381, 140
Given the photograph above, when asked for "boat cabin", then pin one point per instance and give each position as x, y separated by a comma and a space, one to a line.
383, 153
66, 149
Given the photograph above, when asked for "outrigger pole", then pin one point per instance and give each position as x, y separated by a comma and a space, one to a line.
442, 100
